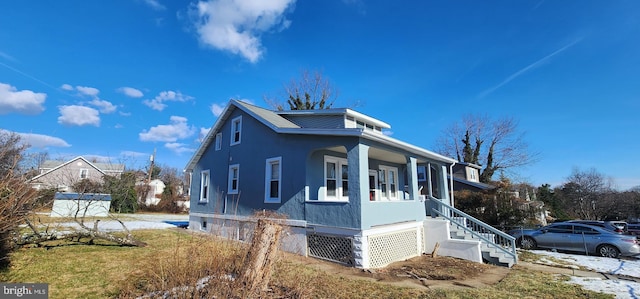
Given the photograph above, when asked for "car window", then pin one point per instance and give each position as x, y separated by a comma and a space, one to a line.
620, 225
562, 228
584, 230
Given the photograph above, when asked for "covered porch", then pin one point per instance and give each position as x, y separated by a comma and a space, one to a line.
363, 186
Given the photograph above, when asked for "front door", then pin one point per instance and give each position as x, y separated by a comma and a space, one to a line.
373, 185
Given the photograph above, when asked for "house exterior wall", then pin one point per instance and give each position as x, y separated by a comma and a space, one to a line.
302, 178
258, 143
68, 174
317, 121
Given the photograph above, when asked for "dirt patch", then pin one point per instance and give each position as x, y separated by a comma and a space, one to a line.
420, 272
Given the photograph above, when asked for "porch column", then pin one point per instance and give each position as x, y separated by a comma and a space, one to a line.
358, 161
412, 177
444, 190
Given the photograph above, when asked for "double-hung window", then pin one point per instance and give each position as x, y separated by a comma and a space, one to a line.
204, 186
388, 182
218, 141
273, 174
234, 179
336, 173
84, 173
236, 130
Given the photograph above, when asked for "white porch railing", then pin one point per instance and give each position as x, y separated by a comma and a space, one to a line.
480, 230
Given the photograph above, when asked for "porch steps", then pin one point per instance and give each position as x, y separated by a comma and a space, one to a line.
490, 253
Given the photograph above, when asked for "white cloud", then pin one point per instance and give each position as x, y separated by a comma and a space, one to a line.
104, 106
39, 140
23, 101
235, 25
203, 133
66, 87
89, 91
155, 4
176, 129
157, 103
130, 92
74, 115
178, 148
217, 109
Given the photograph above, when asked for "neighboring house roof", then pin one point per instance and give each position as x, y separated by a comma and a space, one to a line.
476, 166
103, 168
82, 196
277, 122
478, 185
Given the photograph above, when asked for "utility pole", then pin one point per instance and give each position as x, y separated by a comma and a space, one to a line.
152, 159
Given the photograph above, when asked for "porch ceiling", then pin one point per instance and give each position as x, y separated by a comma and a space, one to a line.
380, 154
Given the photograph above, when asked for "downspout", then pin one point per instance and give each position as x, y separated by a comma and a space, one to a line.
451, 183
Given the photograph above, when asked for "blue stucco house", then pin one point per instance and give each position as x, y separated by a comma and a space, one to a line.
351, 194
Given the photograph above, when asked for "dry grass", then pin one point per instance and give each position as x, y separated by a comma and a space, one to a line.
177, 258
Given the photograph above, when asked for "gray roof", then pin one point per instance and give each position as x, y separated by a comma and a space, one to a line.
104, 168
276, 122
268, 116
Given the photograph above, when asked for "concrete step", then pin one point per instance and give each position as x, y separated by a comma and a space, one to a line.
489, 251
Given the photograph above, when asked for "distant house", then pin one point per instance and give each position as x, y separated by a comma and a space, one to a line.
62, 175
352, 194
466, 176
153, 194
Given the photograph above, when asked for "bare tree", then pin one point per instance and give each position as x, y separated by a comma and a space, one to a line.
16, 195
311, 91
493, 144
584, 192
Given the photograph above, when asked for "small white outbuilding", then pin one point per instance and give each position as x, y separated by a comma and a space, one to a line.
81, 204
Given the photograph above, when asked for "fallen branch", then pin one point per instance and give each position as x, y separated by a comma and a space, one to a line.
86, 232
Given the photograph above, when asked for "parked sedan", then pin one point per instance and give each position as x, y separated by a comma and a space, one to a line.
615, 226
578, 238
634, 229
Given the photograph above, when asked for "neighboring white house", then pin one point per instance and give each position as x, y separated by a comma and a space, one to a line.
152, 198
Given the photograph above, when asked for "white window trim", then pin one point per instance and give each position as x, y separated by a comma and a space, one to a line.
205, 182
230, 190
267, 180
218, 141
237, 120
386, 195
86, 173
339, 192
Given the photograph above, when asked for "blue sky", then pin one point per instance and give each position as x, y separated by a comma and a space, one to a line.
118, 79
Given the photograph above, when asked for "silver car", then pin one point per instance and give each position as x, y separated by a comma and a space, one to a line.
578, 238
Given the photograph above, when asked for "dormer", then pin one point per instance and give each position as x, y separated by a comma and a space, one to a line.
334, 119
467, 171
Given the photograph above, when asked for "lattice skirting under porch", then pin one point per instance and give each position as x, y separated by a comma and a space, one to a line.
330, 247
387, 248
375, 248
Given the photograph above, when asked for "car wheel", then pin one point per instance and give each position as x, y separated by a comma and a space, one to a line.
608, 251
527, 243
